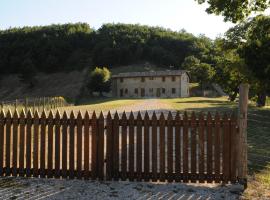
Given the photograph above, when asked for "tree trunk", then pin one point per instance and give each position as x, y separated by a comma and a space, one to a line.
261, 101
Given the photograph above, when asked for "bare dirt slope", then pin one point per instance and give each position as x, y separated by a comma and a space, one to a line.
67, 85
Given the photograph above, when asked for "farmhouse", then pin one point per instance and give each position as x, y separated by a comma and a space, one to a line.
151, 84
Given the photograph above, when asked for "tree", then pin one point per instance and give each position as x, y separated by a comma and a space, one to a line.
199, 72
235, 10
99, 80
28, 73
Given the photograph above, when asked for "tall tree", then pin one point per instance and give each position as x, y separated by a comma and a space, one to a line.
235, 10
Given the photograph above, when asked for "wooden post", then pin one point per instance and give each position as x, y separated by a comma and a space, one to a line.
242, 137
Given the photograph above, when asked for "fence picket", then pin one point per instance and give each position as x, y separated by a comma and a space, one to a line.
146, 152
193, 148
226, 149
86, 145
64, 144
94, 157
139, 147
185, 148
15, 143
154, 147
109, 147
57, 144
178, 147
36, 145
201, 148
100, 147
2, 119
124, 148
162, 147
209, 148
79, 145
43, 137
72, 123
8, 142
170, 148
50, 145
116, 147
217, 148
131, 147
233, 148
29, 143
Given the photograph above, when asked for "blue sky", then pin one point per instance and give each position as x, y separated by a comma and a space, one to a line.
173, 14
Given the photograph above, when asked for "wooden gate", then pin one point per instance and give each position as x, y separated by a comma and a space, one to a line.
142, 147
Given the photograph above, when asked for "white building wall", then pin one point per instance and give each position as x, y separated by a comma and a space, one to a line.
151, 87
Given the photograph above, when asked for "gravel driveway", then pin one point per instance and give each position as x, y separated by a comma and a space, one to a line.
34, 188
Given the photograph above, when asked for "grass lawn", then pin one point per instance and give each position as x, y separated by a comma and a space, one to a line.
258, 132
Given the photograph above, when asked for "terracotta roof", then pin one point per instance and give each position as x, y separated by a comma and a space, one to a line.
151, 73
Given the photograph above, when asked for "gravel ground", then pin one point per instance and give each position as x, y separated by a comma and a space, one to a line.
37, 188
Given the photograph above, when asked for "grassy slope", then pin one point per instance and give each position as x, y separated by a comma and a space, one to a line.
258, 133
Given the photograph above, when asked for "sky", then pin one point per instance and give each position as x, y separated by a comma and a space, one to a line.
172, 14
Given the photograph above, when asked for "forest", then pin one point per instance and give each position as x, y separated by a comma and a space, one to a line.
226, 60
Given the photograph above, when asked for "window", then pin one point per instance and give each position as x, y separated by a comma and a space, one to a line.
121, 80
136, 91
121, 92
173, 78
151, 78
163, 79
126, 91
163, 90
173, 90
143, 79
151, 90
142, 92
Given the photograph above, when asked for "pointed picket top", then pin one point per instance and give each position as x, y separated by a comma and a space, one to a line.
109, 116
22, 114
131, 116
94, 116
124, 116
86, 115
72, 115
193, 116
185, 118
169, 117
201, 117
146, 116
43, 114
50, 115
209, 116
154, 116
177, 116
162, 117
29, 114
217, 117
79, 115
2, 114
101, 116
139, 116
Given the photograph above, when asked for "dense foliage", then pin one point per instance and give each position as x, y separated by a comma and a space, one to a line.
235, 10
76, 46
99, 80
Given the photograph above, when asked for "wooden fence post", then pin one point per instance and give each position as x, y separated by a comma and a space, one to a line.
242, 138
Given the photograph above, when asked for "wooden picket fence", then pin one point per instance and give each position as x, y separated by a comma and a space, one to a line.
176, 147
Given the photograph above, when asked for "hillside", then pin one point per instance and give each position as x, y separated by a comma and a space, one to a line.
56, 84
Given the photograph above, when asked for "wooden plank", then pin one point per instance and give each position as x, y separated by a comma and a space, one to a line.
22, 143
233, 123
64, 144
15, 143
57, 144
79, 145
209, 148
50, 145
109, 148
29, 121
72, 123
43, 138
217, 148
201, 148
94, 146
170, 147
86, 145
185, 149
226, 149
131, 147
139, 147
116, 147
146, 175
178, 147
8, 142
2, 125
193, 148
162, 147
154, 147
100, 147
124, 148
35, 145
